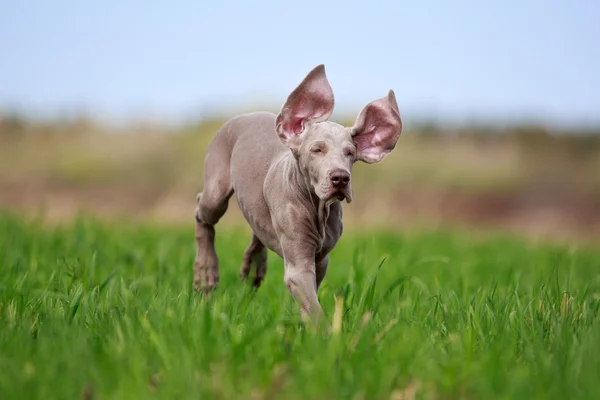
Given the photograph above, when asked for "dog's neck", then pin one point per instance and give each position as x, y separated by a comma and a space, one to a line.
306, 193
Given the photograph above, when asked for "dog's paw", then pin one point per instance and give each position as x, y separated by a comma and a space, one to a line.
244, 271
260, 271
206, 277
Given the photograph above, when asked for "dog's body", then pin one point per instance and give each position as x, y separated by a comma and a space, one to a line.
289, 172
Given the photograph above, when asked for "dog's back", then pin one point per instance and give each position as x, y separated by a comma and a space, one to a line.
238, 160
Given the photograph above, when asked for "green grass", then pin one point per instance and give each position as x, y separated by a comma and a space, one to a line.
106, 310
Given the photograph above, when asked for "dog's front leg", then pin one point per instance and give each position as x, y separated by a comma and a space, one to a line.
300, 277
300, 280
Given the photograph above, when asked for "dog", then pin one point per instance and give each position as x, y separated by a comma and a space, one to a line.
290, 172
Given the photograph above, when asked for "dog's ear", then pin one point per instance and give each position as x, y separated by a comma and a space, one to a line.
311, 101
377, 129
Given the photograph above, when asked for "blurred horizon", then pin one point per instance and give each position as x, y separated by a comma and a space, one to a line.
499, 103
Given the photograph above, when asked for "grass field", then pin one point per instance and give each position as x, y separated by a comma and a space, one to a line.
106, 310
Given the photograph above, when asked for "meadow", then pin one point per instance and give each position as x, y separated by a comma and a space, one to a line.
105, 309
468, 269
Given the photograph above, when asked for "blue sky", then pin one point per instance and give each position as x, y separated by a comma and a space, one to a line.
449, 60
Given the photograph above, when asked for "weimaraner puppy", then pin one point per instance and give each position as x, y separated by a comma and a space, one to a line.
290, 172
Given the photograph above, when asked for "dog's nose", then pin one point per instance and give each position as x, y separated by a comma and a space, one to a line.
339, 178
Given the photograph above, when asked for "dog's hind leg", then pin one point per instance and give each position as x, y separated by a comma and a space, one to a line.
255, 254
211, 205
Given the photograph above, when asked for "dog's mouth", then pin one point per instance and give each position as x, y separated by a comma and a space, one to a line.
340, 195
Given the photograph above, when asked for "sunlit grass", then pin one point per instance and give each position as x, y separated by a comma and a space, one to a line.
107, 310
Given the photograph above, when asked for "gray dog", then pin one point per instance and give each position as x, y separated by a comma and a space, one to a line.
290, 173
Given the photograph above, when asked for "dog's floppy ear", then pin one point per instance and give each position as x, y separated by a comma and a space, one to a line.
377, 129
311, 101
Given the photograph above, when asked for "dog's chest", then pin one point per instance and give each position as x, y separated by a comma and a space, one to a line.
332, 230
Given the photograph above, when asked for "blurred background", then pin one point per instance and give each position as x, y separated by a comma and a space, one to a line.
106, 107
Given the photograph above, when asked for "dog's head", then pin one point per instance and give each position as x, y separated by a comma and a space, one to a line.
326, 151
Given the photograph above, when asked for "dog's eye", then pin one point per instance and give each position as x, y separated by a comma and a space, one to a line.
317, 149
349, 153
